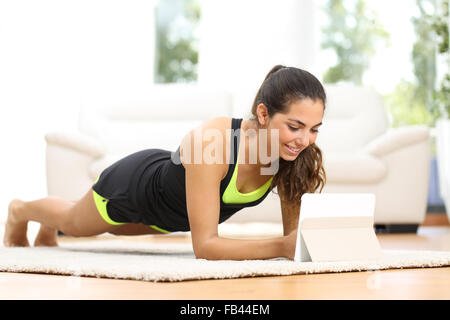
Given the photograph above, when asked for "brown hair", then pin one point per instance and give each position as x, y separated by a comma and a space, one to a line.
282, 86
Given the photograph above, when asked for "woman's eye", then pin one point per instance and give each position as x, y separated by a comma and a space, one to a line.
295, 129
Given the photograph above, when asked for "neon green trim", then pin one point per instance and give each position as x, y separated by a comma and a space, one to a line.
232, 195
100, 203
159, 229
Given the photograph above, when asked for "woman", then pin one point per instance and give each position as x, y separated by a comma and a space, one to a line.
154, 190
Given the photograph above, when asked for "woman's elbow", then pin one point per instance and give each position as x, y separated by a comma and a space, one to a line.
202, 254
205, 251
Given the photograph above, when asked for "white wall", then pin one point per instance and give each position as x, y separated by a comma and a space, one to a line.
52, 53
240, 41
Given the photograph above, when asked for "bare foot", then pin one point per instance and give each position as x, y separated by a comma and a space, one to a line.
15, 230
47, 237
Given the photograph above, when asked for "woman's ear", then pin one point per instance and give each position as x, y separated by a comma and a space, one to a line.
262, 114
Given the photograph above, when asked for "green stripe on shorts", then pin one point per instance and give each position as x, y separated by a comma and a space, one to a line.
159, 229
100, 203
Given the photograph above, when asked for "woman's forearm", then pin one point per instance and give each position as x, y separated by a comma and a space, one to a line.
218, 248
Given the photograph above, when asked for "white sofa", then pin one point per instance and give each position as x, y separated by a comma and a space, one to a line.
443, 160
361, 153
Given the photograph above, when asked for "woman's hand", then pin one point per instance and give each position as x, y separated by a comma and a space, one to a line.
289, 244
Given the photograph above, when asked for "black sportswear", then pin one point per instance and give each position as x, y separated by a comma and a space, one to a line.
149, 187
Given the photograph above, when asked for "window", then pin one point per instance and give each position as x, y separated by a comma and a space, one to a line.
394, 47
176, 54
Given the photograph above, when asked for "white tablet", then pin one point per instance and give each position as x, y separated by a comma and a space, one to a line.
336, 227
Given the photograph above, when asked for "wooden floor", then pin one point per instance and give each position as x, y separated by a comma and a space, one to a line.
426, 283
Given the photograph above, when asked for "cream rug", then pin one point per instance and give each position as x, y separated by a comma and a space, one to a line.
119, 259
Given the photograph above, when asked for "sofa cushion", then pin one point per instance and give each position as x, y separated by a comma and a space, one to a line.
395, 139
169, 102
131, 136
97, 166
347, 168
158, 118
353, 117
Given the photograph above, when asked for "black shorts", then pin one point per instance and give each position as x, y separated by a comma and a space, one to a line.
114, 188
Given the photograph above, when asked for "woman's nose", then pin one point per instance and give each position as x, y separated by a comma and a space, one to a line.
303, 140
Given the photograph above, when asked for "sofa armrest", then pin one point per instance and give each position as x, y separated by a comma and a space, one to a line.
395, 139
78, 142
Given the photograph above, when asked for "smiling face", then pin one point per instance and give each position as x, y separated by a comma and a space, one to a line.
297, 129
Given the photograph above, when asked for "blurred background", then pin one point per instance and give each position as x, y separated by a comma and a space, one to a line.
53, 53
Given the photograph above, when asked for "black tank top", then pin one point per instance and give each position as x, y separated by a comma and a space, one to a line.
159, 188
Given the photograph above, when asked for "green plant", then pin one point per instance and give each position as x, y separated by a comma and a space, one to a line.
176, 45
424, 53
352, 33
404, 108
419, 101
441, 28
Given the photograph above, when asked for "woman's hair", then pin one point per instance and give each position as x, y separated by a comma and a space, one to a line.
282, 86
